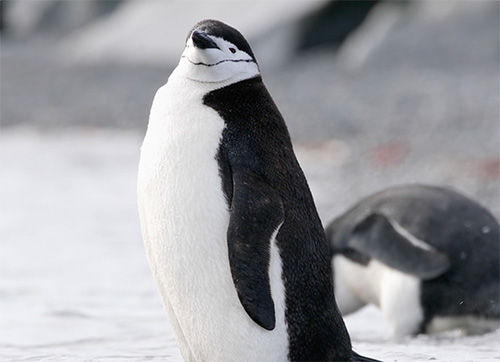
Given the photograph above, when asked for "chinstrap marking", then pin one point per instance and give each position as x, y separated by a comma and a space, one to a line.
222, 61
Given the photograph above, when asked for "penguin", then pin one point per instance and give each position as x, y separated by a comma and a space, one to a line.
427, 256
231, 232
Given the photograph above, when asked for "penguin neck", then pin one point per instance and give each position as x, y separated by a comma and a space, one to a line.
180, 77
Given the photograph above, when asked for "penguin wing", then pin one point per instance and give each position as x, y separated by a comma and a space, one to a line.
256, 215
383, 239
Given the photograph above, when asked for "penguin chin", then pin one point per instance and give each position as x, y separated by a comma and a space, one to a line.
226, 72
212, 66
222, 71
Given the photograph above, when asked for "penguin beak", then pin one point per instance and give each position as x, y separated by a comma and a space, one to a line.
202, 40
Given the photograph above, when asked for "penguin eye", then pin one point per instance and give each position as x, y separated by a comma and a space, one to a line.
232, 50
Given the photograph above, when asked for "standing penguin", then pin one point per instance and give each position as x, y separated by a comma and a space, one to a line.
427, 256
231, 231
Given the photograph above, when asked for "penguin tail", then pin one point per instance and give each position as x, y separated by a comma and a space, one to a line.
357, 358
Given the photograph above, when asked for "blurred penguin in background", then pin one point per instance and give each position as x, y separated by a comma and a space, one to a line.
427, 256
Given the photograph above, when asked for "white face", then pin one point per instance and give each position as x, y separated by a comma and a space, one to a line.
212, 65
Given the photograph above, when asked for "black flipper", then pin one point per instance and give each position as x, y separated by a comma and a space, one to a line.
378, 238
256, 213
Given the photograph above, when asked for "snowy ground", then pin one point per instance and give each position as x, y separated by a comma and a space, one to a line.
75, 284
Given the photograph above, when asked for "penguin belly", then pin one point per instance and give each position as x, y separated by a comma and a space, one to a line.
397, 294
184, 218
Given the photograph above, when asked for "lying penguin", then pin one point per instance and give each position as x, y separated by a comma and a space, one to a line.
427, 256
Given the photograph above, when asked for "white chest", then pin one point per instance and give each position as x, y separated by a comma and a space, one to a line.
184, 219
179, 189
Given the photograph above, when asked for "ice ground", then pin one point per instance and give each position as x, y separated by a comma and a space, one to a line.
75, 284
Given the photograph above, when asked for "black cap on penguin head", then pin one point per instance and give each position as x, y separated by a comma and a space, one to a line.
219, 29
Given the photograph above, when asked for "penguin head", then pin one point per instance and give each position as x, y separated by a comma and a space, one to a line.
216, 52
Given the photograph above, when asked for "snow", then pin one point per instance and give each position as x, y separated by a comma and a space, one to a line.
75, 283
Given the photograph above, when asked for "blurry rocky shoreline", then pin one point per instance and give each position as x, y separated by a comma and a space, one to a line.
404, 92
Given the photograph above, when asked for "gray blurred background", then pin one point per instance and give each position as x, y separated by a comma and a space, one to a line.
375, 93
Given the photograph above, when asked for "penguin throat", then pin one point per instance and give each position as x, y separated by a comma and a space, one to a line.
223, 72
